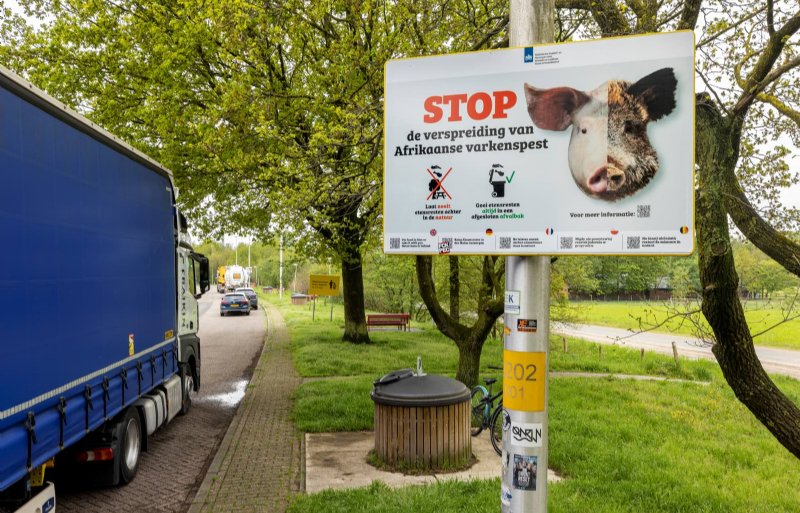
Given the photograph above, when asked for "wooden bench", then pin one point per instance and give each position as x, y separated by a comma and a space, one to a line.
401, 320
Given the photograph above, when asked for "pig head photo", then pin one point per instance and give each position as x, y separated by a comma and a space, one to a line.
609, 155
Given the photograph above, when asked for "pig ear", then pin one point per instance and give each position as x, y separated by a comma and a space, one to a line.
657, 92
552, 109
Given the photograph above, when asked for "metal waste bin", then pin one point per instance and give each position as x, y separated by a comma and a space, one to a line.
299, 299
422, 421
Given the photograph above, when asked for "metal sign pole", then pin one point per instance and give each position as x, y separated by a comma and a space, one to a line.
527, 320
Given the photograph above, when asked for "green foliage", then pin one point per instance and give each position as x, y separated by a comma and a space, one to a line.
759, 275
390, 283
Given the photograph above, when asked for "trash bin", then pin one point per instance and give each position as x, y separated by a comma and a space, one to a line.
422, 421
299, 299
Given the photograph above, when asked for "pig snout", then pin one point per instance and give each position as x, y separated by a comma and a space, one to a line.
606, 179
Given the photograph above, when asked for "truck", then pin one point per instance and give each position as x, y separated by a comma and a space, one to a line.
236, 277
98, 337
221, 279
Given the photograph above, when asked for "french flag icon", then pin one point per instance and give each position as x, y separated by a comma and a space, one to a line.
549, 231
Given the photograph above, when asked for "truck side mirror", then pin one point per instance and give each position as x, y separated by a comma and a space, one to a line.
205, 280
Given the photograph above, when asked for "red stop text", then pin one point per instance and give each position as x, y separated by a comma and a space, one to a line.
478, 106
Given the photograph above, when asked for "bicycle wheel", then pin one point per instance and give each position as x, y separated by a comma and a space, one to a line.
479, 407
496, 429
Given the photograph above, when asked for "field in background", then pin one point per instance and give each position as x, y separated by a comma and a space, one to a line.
638, 315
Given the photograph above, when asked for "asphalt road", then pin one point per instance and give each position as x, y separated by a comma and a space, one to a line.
779, 361
179, 453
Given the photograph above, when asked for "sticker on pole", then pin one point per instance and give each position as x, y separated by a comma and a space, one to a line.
525, 471
524, 434
527, 325
512, 305
523, 380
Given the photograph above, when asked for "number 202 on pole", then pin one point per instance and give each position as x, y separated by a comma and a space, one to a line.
523, 380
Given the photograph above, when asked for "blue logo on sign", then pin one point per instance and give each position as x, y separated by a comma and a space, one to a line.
529, 54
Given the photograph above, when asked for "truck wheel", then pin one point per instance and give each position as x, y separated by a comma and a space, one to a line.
188, 386
130, 445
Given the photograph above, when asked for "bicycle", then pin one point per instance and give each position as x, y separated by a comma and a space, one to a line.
485, 414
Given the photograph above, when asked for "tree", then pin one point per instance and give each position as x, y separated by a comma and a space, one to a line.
748, 62
468, 338
269, 113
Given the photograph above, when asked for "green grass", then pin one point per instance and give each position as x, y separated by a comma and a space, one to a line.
626, 446
636, 315
622, 445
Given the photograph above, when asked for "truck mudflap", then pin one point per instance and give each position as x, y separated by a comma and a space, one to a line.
42, 502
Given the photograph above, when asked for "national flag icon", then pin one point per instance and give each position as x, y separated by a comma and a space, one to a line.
489, 231
684, 229
433, 232
614, 232
549, 231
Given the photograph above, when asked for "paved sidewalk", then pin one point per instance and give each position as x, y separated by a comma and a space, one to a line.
258, 466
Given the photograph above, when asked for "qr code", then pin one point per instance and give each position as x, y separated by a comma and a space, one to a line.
394, 243
634, 242
505, 243
642, 210
566, 242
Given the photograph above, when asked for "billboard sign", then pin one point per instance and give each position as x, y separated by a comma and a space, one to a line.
573, 148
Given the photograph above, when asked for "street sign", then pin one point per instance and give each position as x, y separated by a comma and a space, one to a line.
576, 148
323, 285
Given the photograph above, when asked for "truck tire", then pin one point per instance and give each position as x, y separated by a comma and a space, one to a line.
188, 387
130, 446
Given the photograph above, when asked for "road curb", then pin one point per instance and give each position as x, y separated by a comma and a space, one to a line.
231, 434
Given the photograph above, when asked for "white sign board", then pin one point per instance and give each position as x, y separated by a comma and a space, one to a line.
574, 148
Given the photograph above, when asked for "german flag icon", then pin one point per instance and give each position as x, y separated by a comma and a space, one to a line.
684, 229
489, 231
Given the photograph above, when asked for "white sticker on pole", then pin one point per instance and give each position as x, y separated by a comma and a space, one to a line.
512, 305
524, 434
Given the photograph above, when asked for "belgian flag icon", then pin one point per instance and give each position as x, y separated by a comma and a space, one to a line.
684, 229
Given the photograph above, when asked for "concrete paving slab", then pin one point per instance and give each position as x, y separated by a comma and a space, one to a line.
339, 461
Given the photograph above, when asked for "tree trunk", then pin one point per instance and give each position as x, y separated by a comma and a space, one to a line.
734, 348
468, 339
455, 288
469, 362
355, 320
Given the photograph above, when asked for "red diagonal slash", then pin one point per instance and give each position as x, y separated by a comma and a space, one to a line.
439, 184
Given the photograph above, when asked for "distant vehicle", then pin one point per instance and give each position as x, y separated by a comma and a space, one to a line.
236, 277
235, 302
221, 279
251, 296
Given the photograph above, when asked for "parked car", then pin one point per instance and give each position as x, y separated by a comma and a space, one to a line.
251, 296
234, 302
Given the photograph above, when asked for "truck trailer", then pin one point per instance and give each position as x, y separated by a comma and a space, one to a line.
98, 337
221, 279
236, 277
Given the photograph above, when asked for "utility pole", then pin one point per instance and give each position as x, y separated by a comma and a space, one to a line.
524, 457
280, 270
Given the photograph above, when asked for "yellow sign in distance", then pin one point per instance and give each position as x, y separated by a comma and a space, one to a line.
323, 285
523, 380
